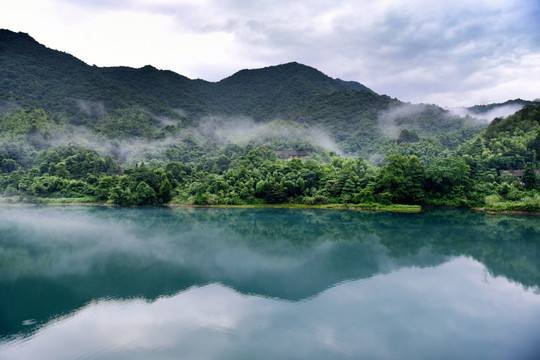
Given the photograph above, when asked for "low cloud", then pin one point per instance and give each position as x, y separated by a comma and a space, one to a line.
228, 129
8, 107
242, 130
487, 116
91, 108
387, 119
211, 133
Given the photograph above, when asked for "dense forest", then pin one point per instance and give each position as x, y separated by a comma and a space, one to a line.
283, 134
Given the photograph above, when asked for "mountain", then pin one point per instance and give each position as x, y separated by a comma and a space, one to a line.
510, 104
262, 94
275, 91
124, 102
33, 75
507, 143
166, 87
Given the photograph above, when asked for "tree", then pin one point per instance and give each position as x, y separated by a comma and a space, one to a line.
414, 181
277, 193
408, 136
391, 179
144, 194
104, 187
61, 171
8, 165
448, 174
528, 178
165, 189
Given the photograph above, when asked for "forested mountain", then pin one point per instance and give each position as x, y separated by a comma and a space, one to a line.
483, 109
507, 143
146, 136
34, 76
168, 88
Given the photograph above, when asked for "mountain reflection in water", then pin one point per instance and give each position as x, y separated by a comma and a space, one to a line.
287, 263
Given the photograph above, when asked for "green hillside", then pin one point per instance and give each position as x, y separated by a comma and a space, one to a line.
191, 97
32, 75
147, 136
122, 102
275, 91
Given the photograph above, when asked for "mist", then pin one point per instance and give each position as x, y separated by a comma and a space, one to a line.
8, 107
239, 130
243, 130
387, 119
207, 134
488, 116
91, 108
407, 116
69, 241
125, 151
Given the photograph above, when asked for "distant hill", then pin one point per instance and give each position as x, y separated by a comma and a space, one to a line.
275, 91
483, 109
34, 75
507, 143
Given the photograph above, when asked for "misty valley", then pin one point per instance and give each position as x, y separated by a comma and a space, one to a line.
97, 283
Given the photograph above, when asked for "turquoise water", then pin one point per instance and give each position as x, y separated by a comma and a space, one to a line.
159, 283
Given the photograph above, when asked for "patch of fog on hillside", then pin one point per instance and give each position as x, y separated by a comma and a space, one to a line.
91, 108
242, 130
211, 133
238, 129
497, 112
8, 107
180, 112
387, 119
125, 151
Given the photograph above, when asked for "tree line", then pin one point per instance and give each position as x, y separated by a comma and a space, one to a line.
416, 170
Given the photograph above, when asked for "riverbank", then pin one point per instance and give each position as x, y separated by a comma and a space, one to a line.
507, 212
15, 201
356, 207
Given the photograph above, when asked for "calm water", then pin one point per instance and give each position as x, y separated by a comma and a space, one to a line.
157, 283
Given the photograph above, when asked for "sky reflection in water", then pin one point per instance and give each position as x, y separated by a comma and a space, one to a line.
456, 310
424, 303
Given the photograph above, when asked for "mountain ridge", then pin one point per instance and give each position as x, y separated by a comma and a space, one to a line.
201, 92
155, 89
134, 101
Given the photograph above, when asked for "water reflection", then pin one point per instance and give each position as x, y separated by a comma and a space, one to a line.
56, 261
454, 311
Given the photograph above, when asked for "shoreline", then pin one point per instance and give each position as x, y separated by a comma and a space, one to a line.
507, 212
398, 208
353, 207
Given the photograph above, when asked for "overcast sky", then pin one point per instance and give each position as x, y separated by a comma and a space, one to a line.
451, 53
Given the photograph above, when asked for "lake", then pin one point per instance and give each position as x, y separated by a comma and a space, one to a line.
161, 283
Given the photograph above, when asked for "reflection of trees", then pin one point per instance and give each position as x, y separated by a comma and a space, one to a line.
287, 254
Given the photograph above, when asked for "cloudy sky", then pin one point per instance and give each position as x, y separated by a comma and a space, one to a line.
452, 53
